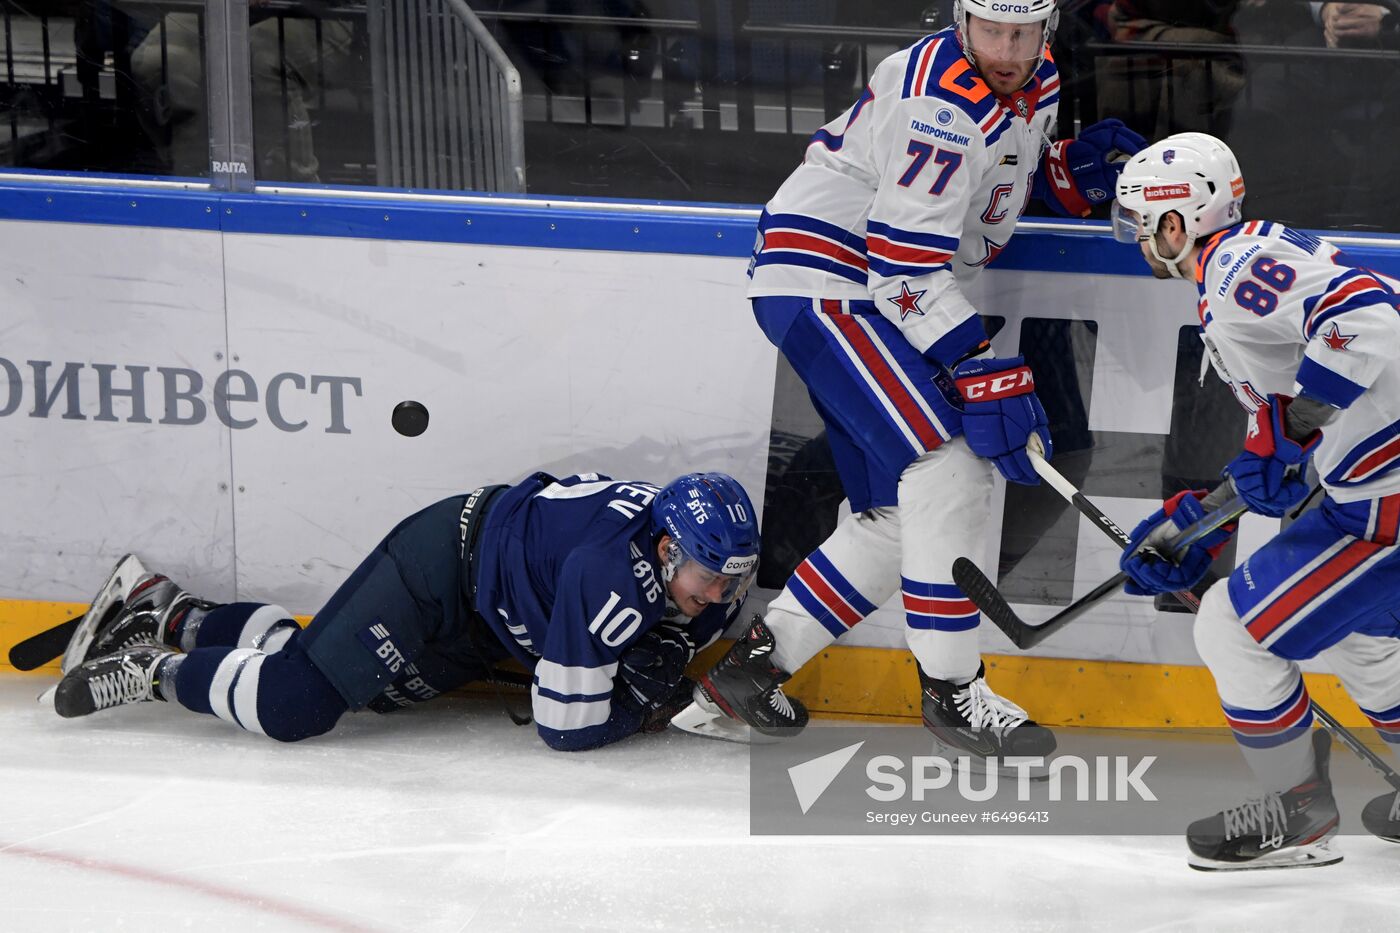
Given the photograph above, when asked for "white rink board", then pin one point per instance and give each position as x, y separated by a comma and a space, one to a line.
640, 365
76, 492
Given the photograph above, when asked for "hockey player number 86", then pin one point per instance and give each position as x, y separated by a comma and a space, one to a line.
1261, 296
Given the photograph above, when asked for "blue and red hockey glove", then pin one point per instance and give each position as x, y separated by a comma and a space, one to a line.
1000, 410
1151, 572
1078, 174
1262, 473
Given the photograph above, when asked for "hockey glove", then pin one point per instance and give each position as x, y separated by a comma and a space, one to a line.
1000, 410
1155, 571
1078, 174
1261, 473
658, 718
653, 666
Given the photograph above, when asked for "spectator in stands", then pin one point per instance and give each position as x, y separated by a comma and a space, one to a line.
1358, 26
289, 61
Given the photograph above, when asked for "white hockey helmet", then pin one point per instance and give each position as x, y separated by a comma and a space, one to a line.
1028, 44
1193, 174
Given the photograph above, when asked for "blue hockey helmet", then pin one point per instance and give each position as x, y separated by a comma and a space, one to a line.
711, 522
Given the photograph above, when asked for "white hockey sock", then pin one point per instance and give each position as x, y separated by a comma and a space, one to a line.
837, 586
1369, 667
1263, 695
233, 693
267, 629
944, 501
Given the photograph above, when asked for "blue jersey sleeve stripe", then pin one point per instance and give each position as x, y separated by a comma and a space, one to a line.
812, 225
1369, 459
947, 349
1331, 388
1356, 302
892, 270
914, 238
820, 263
1332, 286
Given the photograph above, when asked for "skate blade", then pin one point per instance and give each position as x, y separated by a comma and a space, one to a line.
1315, 855
697, 720
123, 579
46, 698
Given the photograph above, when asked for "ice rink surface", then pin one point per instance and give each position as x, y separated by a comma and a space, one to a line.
448, 817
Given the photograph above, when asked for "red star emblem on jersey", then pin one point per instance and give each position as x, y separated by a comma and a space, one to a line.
1336, 340
993, 251
907, 301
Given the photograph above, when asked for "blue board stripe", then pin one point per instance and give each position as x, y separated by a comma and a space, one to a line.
553, 223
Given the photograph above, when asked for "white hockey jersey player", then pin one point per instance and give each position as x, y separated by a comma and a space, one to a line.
1285, 313
916, 188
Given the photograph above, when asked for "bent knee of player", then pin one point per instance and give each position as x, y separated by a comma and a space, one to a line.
295, 701
1219, 634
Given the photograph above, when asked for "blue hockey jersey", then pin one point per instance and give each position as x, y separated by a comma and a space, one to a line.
568, 579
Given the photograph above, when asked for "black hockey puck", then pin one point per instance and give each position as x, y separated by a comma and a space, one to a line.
410, 418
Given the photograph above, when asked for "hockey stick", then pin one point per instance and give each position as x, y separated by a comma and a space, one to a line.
72, 639
987, 598
1057, 481
1342, 734
1033, 635
38, 650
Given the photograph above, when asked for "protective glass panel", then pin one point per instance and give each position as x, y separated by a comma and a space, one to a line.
89, 85
313, 111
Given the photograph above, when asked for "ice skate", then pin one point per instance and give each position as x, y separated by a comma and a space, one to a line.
969, 720
149, 616
109, 600
1292, 829
1382, 817
114, 680
744, 690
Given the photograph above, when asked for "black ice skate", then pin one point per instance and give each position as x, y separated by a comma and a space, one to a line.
971, 721
1292, 829
116, 680
747, 686
152, 611
1382, 817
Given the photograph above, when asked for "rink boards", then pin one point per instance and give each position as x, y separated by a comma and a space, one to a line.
207, 379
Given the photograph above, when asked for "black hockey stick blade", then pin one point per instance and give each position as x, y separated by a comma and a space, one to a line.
37, 650
989, 600
985, 596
